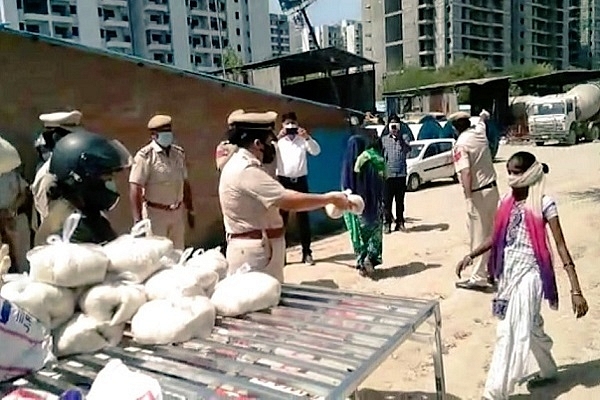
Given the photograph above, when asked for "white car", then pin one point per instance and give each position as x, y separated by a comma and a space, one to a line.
429, 160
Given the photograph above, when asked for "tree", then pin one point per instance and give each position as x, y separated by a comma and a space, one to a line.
231, 59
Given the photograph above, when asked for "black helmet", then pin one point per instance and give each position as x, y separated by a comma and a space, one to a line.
83, 155
80, 161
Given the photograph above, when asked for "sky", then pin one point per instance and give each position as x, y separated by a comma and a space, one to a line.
327, 12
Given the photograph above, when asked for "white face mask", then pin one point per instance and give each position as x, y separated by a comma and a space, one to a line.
394, 126
164, 139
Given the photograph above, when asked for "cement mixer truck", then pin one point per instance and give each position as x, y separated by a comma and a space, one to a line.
566, 117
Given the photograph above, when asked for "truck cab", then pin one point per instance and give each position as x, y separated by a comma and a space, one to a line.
553, 118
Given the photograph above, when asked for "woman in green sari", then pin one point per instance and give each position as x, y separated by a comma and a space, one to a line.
363, 172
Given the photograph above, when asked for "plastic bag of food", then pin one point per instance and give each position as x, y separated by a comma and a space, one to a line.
25, 343
357, 206
116, 381
51, 305
245, 292
212, 259
65, 264
137, 255
180, 281
173, 320
112, 302
83, 334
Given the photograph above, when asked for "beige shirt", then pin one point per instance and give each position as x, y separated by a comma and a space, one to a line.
472, 151
11, 185
160, 174
248, 195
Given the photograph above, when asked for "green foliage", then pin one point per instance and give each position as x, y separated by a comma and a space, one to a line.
231, 59
462, 69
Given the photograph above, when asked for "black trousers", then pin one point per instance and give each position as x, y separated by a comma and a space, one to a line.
299, 185
395, 188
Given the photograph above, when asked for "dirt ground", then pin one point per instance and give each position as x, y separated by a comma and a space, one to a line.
421, 263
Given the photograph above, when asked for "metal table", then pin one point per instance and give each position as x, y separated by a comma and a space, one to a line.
318, 343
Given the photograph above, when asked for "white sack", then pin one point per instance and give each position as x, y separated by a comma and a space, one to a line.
135, 257
25, 344
83, 334
116, 381
51, 305
212, 260
357, 206
173, 320
180, 282
242, 293
9, 157
65, 264
114, 303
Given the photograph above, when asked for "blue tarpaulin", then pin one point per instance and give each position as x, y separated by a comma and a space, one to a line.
430, 129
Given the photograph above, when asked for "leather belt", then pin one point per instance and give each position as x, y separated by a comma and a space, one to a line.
164, 207
488, 186
257, 234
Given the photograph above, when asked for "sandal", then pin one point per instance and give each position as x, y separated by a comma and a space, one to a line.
539, 381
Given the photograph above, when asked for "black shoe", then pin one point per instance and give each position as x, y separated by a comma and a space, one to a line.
400, 227
308, 259
387, 229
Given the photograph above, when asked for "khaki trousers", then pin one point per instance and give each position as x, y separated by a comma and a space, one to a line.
480, 224
169, 224
262, 255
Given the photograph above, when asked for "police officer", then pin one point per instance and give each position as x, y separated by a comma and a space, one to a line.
475, 169
13, 196
159, 186
84, 165
56, 126
251, 198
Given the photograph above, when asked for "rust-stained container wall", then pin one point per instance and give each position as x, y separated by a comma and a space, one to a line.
118, 95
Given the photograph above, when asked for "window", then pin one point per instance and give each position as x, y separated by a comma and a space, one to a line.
109, 14
32, 28
237, 15
111, 34
127, 38
394, 58
431, 151
237, 31
159, 57
73, 9
170, 58
99, 12
393, 28
102, 33
21, 26
19, 4
75, 31
444, 147
61, 31
239, 47
35, 7
393, 6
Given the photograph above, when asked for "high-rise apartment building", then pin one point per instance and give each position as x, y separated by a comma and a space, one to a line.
189, 34
585, 46
434, 33
541, 32
347, 35
280, 35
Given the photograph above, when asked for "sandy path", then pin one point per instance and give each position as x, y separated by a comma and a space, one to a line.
421, 264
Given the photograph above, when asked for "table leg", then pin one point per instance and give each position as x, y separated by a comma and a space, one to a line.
438, 363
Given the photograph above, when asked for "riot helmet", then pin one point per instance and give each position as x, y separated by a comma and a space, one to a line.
83, 164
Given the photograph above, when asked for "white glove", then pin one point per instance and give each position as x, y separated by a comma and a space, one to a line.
484, 115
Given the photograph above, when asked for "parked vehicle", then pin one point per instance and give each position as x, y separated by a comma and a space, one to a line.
429, 160
566, 117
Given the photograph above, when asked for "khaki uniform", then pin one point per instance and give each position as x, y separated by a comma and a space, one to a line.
162, 176
248, 195
472, 151
12, 230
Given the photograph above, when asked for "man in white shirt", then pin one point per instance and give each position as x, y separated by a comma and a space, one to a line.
293, 143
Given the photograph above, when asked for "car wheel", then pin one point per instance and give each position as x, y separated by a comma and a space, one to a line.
571, 140
593, 134
414, 182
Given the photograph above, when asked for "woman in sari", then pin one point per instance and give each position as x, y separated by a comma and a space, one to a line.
363, 170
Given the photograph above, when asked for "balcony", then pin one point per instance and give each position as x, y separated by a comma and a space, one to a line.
114, 23
156, 7
159, 47
114, 3
118, 43
158, 27
36, 17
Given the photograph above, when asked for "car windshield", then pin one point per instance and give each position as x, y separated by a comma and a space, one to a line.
548, 109
415, 150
